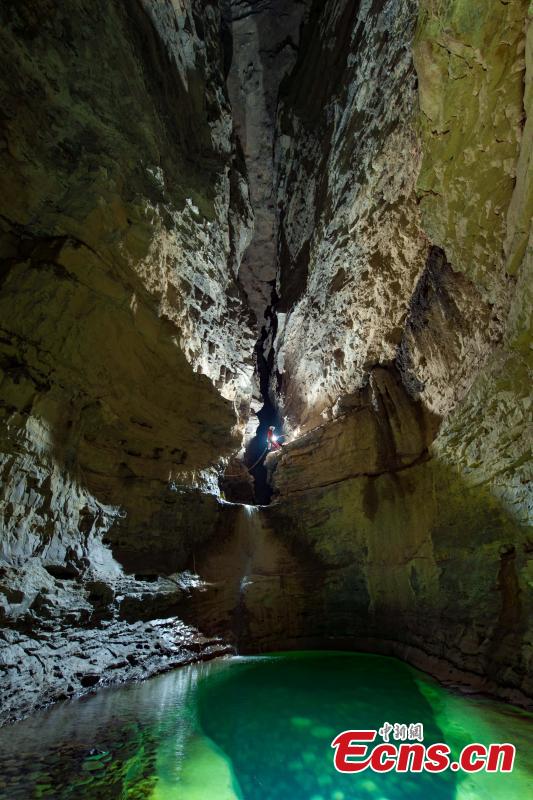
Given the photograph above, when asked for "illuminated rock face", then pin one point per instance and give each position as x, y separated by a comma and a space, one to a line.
469, 59
429, 559
126, 349
149, 196
422, 553
402, 138
351, 247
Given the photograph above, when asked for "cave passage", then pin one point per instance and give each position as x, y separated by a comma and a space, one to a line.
219, 216
268, 415
256, 452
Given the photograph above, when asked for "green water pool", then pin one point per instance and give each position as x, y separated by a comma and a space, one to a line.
256, 728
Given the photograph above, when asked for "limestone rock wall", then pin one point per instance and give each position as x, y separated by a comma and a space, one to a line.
428, 557
418, 563
351, 247
469, 60
261, 42
126, 352
423, 552
126, 348
264, 41
384, 431
383, 180
377, 166
487, 437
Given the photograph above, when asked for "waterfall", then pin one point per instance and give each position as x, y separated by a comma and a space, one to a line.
245, 576
250, 527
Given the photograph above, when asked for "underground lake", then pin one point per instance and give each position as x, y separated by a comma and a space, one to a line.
257, 728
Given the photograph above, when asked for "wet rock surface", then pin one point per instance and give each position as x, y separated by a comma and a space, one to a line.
65, 634
71, 662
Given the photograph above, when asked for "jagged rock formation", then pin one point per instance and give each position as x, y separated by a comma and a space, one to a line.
425, 556
159, 173
264, 36
351, 248
360, 205
126, 351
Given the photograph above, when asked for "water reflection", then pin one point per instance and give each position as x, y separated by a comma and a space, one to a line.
119, 743
276, 721
254, 729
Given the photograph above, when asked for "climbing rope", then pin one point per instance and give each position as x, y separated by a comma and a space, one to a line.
258, 460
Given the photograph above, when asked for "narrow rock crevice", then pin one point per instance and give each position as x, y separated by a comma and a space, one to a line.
268, 414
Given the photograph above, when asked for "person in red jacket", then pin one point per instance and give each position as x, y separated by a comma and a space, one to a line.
272, 439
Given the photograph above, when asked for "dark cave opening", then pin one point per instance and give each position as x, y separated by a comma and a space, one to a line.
256, 450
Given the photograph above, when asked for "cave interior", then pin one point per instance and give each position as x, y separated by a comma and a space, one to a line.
221, 215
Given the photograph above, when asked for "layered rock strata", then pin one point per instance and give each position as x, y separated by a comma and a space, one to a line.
351, 247
428, 557
418, 558
126, 352
382, 182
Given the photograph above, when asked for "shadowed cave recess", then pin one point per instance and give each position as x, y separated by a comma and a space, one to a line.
219, 216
